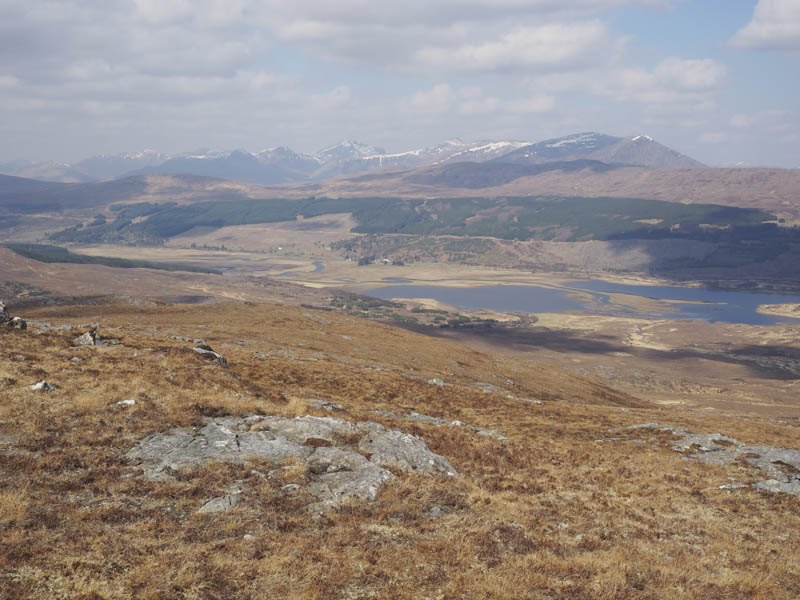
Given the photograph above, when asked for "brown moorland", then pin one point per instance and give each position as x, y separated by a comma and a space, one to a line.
563, 508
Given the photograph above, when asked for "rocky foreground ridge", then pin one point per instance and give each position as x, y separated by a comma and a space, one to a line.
347, 461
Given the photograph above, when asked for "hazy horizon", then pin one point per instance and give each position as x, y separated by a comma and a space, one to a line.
711, 80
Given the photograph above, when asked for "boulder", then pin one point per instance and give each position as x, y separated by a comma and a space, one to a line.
223, 503
4, 316
42, 386
17, 323
86, 339
220, 504
208, 353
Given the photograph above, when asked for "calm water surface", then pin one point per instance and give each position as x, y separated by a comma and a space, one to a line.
716, 305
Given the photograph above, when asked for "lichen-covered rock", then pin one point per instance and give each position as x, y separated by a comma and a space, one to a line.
178, 449
208, 353
4, 316
220, 504
42, 386
17, 323
300, 429
333, 450
782, 465
344, 476
86, 339
402, 451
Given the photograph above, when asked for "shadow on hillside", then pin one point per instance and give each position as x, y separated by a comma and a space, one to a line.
764, 362
524, 339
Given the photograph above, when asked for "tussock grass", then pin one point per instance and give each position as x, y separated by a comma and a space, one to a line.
550, 513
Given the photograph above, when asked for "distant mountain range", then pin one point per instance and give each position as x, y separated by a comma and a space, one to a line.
638, 151
283, 165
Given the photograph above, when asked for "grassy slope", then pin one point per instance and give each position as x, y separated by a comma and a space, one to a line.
550, 513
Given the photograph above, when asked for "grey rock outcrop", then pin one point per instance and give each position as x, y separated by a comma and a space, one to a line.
220, 504
17, 323
6, 319
86, 339
42, 386
208, 353
781, 465
402, 451
346, 461
223, 503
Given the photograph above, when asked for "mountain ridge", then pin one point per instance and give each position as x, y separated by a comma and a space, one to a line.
280, 164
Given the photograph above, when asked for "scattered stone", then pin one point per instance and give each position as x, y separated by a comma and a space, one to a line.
434, 512
346, 461
42, 386
730, 486
325, 405
781, 465
488, 388
183, 338
17, 323
208, 353
6, 319
439, 422
221, 504
75, 359
86, 339
436, 381
126, 403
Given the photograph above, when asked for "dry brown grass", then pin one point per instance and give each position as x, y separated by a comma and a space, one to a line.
551, 513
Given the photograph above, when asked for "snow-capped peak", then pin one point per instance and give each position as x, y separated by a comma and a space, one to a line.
348, 149
642, 137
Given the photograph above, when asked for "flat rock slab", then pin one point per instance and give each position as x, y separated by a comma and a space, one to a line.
781, 465
347, 461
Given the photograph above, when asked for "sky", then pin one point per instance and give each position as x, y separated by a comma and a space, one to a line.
718, 80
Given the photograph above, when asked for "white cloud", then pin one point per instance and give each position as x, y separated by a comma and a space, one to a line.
714, 137
438, 99
470, 100
539, 103
689, 75
336, 98
546, 46
772, 120
775, 25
